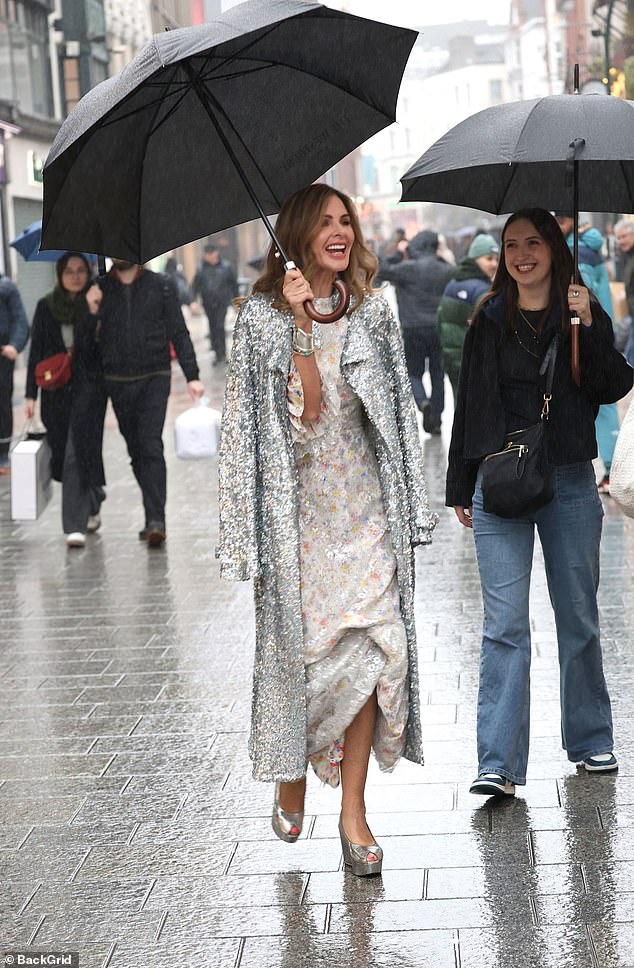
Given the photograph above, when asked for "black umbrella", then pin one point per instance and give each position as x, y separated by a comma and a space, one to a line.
213, 125
563, 152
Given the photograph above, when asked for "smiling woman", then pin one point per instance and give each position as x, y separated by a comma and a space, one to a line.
322, 500
502, 388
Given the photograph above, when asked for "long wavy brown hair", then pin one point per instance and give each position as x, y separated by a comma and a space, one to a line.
297, 225
561, 272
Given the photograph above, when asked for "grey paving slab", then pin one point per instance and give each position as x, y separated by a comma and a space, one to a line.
42, 767
488, 880
72, 929
153, 860
522, 945
404, 949
424, 915
223, 953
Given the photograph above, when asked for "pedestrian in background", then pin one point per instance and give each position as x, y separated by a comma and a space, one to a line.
14, 332
501, 391
595, 276
471, 279
138, 315
73, 414
419, 282
624, 233
322, 499
175, 273
215, 283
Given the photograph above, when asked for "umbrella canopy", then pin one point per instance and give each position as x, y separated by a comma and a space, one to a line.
562, 152
519, 155
27, 243
212, 125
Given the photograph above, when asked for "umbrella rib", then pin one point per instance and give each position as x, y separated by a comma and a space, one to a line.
514, 165
213, 103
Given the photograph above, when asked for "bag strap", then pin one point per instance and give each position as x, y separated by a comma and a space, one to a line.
548, 367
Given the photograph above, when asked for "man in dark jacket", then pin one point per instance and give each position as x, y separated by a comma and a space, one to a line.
471, 279
139, 314
419, 282
14, 332
216, 285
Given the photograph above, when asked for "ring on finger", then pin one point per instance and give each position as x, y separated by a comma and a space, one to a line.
575, 293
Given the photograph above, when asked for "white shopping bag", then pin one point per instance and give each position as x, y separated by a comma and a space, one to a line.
30, 479
197, 432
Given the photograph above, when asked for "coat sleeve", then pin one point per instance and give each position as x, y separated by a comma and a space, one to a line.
36, 350
461, 473
18, 323
422, 520
605, 374
177, 330
237, 463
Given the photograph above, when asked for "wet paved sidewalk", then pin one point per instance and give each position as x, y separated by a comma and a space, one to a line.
131, 830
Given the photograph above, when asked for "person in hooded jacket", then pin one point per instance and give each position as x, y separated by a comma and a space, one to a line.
595, 275
419, 282
471, 279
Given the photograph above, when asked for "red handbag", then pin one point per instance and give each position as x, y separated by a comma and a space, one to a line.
54, 372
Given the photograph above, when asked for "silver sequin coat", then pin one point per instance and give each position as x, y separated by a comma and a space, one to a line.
259, 521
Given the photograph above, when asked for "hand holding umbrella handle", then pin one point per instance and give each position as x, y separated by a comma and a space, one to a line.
340, 309
309, 306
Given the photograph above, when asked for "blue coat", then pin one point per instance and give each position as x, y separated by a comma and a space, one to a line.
14, 326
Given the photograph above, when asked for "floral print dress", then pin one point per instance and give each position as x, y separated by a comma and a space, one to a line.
354, 637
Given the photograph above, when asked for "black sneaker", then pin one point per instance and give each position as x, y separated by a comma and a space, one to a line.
429, 424
492, 785
602, 763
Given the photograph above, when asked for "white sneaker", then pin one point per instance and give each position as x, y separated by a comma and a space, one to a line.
76, 539
94, 523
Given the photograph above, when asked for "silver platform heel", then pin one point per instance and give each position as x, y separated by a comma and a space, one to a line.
287, 826
364, 859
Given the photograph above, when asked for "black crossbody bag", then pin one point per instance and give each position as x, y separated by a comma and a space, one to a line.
518, 479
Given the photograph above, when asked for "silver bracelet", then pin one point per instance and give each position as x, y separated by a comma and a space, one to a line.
303, 342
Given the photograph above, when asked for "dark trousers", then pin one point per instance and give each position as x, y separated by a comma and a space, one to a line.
6, 409
79, 500
216, 315
423, 351
140, 407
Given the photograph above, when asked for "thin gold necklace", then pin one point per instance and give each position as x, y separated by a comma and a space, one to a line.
525, 348
528, 323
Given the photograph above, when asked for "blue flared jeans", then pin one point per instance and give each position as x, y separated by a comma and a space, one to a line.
569, 530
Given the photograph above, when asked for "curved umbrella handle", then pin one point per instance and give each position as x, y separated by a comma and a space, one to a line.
340, 310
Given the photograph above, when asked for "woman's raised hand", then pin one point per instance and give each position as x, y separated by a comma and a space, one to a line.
296, 290
93, 297
579, 302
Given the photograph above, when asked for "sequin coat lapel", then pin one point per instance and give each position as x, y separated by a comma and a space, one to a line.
259, 530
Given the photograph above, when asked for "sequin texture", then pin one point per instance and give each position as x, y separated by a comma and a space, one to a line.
260, 525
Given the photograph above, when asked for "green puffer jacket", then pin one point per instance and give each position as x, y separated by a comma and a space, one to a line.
456, 309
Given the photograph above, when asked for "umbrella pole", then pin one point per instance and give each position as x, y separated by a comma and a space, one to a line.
340, 286
574, 320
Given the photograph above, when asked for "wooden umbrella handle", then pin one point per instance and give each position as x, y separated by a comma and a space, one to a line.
340, 310
574, 350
